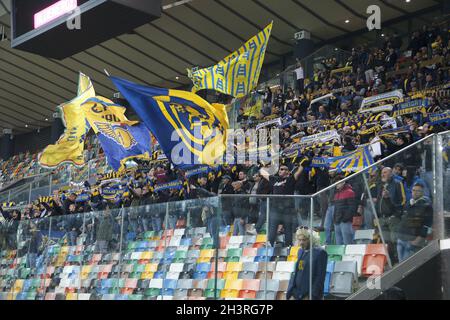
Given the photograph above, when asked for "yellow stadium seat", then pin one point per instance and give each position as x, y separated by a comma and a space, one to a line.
85, 271
151, 267
206, 255
232, 288
147, 275
147, 255
261, 238
232, 271
18, 285
72, 296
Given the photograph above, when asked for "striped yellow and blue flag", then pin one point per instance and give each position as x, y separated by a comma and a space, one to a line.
189, 130
353, 162
238, 73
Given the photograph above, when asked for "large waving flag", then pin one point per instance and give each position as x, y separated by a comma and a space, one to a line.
119, 138
104, 110
189, 129
121, 141
238, 73
70, 146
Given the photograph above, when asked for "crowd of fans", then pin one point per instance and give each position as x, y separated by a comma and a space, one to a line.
400, 190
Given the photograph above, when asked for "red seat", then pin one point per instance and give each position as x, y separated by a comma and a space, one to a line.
105, 271
374, 260
250, 252
96, 258
249, 288
221, 268
130, 285
224, 242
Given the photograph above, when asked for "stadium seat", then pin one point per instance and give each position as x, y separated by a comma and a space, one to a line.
265, 270
355, 252
180, 256
280, 254
272, 289
169, 286
202, 271
249, 254
335, 252
249, 270
248, 241
50, 296
233, 255
330, 269
186, 242
232, 288
235, 242
198, 286
96, 258
206, 255
344, 278
249, 288
364, 236
183, 287
211, 285
221, 268
232, 270
374, 260
175, 241
261, 241
283, 270
130, 286
264, 254
293, 254
223, 242
207, 243
282, 290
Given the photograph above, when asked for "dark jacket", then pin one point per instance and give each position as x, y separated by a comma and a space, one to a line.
299, 283
240, 205
416, 221
344, 205
105, 227
66, 206
393, 205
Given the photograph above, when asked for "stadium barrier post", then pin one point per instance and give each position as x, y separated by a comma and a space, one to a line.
29, 192
438, 188
372, 206
121, 212
50, 180
267, 247
311, 247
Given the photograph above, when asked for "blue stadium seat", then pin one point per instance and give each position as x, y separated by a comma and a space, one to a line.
330, 270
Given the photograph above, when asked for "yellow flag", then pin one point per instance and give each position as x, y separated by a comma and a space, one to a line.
100, 109
237, 74
70, 146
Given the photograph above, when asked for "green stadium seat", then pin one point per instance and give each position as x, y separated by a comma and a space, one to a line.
335, 252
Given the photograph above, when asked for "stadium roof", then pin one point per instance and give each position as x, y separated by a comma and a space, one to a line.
190, 33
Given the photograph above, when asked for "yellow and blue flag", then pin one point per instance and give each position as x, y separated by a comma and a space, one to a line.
353, 162
119, 137
104, 110
238, 73
121, 141
189, 130
70, 146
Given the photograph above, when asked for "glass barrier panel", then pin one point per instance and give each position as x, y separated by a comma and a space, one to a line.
445, 146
